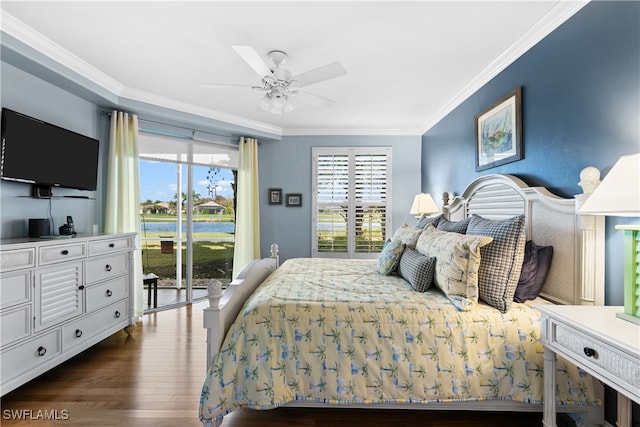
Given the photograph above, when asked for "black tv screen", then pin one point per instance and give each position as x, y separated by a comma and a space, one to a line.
41, 153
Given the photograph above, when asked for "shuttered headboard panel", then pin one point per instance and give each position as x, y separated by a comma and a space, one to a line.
577, 270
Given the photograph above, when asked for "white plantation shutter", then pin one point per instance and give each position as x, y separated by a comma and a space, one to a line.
351, 199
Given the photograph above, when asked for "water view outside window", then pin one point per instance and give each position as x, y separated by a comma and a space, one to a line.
164, 225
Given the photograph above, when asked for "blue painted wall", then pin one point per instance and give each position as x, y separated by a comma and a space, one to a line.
287, 164
581, 107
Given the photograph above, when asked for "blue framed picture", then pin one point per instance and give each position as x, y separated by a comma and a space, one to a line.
499, 132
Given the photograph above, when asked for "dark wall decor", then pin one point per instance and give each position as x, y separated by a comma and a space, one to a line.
275, 196
294, 199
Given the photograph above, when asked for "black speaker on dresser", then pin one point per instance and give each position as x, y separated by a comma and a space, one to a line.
39, 227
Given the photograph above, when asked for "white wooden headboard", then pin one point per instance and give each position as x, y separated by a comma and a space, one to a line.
577, 269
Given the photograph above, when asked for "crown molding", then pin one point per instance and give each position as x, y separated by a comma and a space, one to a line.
148, 98
352, 132
556, 16
43, 45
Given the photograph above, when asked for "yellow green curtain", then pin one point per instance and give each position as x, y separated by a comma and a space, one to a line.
247, 242
122, 205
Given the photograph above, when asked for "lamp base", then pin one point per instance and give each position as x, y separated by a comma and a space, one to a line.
628, 318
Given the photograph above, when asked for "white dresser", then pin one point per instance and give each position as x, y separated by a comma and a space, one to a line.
593, 338
59, 297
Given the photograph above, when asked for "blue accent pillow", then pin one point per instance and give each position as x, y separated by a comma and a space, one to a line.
417, 269
426, 220
390, 256
455, 227
535, 270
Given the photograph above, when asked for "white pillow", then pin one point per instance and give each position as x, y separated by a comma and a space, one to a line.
408, 235
457, 262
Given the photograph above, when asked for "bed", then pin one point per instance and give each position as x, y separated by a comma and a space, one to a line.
335, 332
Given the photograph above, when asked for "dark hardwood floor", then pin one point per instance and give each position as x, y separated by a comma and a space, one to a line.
154, 377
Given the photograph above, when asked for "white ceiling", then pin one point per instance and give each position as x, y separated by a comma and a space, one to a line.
408, 63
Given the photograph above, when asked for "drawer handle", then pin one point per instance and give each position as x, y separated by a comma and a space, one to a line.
117, 314
78, 333
112, 245
109, 293
42, 351
65, 252
81, 287
589, 352
107, 267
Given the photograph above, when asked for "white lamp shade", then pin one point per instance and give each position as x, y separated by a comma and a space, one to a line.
619, 192
423, 204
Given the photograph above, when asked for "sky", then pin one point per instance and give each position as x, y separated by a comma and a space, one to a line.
158, 181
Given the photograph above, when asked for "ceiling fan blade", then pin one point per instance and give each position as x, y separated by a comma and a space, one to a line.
252, 58
221, 85
326, 72
313, 100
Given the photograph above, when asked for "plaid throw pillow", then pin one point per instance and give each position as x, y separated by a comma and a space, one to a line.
417, 269
501, 260
455, 227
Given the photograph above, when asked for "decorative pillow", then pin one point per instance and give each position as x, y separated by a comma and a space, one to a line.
457, 261
457, 227
501, 264
425, 220
535, 269
417, 269
407, 235
389, 257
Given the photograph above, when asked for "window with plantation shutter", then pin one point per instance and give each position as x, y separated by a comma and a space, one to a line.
351, 201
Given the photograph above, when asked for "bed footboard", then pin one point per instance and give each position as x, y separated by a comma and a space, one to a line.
224, 306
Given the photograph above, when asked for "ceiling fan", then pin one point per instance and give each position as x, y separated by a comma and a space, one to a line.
280, 85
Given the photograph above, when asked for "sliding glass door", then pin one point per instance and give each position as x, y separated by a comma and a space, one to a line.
187, 218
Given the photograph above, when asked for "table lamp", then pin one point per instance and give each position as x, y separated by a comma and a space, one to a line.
423, 204
619, 195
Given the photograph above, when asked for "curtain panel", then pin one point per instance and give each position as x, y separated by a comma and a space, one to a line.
122, 206
247, 242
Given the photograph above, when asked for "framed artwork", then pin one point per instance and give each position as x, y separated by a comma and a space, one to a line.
499, 132
294, 199
275, 196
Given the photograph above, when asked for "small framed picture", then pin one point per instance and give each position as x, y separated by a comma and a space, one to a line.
275, 196
294, 199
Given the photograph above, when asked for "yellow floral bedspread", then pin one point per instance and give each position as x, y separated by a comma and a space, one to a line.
333, 330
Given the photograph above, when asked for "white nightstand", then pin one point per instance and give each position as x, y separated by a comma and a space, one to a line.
593, 338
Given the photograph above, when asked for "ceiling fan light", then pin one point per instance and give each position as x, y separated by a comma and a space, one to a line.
274, 104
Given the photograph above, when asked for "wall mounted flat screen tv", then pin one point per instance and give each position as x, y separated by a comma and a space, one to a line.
40, 153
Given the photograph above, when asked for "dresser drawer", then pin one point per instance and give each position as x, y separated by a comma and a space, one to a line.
78, 332
612, 363
106, 293
106, 267
15, 288
19, 258
29, 355
15, 324
59, 253
107, 246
